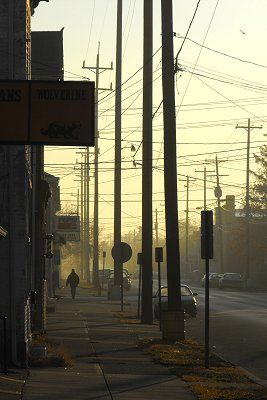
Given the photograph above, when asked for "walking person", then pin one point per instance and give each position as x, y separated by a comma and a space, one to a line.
73, 280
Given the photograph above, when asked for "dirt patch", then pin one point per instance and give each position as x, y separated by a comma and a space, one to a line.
57, 354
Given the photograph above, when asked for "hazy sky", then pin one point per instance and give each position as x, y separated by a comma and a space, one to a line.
213, 93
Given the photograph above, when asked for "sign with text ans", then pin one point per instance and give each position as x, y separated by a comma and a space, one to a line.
62, 113
68, 226
47, 113
14, 105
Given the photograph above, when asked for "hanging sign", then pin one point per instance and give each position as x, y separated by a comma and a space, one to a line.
47, 113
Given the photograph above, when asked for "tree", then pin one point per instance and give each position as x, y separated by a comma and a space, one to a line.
258, 195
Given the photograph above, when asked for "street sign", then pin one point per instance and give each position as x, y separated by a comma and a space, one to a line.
159, 254
206, 235
121, 252
68, 226
47, 113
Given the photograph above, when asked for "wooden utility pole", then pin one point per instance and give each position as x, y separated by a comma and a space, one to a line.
187, 229
147, 172
205, 185
157, 229
218, 195
170, 178
82, 222
118, 273
87, 218
97, 70
248, 128
187, 180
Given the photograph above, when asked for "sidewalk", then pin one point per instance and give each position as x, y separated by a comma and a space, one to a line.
107, 362
12, 385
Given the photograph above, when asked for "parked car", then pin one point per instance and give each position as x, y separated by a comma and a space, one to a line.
231, 280
104, 275
127, 281
214, 278
189, 302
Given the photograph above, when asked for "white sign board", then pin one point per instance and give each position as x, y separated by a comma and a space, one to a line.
68, 226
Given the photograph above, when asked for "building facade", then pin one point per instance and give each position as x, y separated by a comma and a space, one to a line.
16, 272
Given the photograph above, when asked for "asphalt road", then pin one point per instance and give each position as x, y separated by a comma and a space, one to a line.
238, 327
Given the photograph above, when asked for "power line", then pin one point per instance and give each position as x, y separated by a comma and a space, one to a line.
222, 53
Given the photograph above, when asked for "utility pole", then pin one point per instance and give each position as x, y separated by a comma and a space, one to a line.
82, 223
187, 180
218, 195
147, 171
205, 185
96, 70
87, 220
170, 179
78, 202
187, 229
118, 272
157, 229
248, 128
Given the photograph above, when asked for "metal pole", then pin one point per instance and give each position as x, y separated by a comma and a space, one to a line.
159, 288
207, 312
121, 286
170, 165
139, 290
118, 272
96, 228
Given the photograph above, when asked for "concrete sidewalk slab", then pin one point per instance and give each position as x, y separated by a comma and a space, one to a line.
108, 362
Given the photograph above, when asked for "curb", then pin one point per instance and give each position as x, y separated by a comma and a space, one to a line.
254, 378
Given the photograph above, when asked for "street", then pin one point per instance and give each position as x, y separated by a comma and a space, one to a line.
237, 327
238, 323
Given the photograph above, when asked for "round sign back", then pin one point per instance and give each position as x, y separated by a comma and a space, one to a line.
121, 252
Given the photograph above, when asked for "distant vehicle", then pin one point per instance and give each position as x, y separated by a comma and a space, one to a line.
189, 302
231, 280
105, 278
214, 278
126, 280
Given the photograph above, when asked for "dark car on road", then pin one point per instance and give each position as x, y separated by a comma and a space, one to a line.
214, 278
189, 303
127, 281
231, 280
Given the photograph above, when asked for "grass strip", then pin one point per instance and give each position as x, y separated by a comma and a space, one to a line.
222, 381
